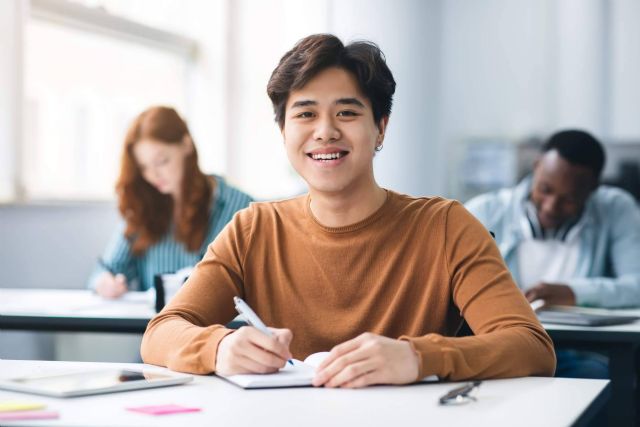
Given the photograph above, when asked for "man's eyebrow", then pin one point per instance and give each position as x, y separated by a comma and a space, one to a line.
340, 101
303, 103
350, 101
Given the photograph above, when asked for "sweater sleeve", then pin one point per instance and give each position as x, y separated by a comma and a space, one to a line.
509, 341
185, 335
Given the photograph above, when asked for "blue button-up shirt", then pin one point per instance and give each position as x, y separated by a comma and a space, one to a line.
168, 255
608, 270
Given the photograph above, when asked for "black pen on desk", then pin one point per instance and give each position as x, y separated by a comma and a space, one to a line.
460, 394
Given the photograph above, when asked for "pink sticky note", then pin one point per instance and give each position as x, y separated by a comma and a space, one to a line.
28, 415
163, 409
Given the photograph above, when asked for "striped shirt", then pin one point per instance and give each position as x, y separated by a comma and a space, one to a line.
169, 255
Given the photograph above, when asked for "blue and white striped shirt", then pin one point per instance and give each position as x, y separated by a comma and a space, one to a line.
169, 255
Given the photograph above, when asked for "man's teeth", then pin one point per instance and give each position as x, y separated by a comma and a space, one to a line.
331, 156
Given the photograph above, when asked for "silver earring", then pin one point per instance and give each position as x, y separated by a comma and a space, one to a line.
379, 148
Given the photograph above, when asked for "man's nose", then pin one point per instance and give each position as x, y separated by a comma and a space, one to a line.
551, 205
326, 131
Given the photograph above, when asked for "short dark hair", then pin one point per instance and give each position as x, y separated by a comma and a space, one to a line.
579, 148
318, 52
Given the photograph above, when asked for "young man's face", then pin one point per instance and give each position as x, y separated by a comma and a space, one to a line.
560, 189
330, 135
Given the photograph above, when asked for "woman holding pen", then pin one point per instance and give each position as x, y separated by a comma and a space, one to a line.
171, 209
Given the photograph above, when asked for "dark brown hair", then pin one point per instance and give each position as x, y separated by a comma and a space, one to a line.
318, 52
578, 148
147, 212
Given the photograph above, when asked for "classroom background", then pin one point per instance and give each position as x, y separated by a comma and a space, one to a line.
480, 83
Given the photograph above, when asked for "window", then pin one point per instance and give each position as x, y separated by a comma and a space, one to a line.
87, 74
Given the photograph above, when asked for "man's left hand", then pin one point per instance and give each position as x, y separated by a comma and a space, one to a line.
368, 359
551, 294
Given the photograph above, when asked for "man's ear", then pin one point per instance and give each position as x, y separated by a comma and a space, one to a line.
382, 127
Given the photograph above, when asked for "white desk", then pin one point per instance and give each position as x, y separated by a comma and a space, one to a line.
524, 402
622, 344
71, 310
77, 310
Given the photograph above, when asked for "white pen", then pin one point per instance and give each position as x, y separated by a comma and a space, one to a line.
252, 318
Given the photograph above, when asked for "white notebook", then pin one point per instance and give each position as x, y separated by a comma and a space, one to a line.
299, 375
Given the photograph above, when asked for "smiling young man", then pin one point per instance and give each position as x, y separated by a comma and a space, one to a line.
382, 280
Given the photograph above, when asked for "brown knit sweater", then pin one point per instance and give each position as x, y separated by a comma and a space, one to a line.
412, 270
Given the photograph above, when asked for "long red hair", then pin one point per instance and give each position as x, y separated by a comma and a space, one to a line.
147, 212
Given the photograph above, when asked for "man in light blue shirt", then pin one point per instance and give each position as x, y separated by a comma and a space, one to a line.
566, 239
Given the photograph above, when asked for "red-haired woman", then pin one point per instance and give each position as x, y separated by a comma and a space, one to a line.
171, 210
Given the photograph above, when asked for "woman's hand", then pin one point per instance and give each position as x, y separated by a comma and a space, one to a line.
368, 359
249, 351
110, 286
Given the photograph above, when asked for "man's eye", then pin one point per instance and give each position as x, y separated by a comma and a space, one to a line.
545, 189
347, 113
305, 115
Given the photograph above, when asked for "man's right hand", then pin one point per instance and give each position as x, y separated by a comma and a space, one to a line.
110, 286
249, 351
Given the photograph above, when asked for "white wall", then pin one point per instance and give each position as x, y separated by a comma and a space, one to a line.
207, 92
625, 69
579, 57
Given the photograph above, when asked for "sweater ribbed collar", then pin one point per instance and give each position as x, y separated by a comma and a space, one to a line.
375, 216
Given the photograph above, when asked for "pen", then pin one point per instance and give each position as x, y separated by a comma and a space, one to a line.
106, 266
252, 318
460, 394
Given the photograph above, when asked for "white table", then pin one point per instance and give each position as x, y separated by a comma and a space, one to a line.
622, 344
71, 310
523, 402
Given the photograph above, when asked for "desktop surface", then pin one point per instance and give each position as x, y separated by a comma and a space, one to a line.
74, 310
499, 403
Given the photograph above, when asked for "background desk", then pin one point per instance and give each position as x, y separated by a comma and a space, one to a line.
66, 310
524, 402
71, 310
621, 344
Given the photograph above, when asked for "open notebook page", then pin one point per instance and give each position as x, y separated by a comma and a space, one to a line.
299, 375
